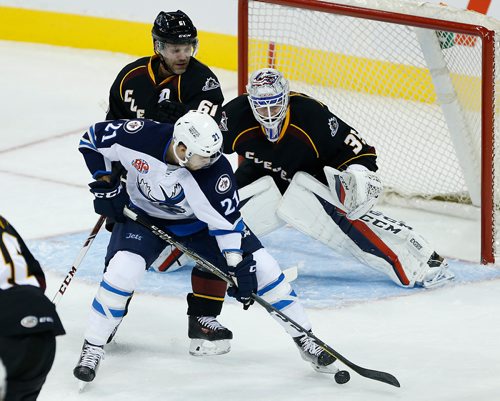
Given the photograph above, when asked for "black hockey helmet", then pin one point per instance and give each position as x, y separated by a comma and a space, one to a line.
174, 27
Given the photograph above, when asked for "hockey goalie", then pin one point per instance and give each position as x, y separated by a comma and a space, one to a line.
306, 167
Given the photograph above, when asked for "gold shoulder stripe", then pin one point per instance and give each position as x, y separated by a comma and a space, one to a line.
126, 75
179, 88
308, 137
292, 94
242, 133
354, 158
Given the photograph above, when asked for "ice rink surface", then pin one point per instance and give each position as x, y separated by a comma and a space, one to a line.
441, 344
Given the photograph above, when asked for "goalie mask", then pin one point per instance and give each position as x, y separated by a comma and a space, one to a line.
268, 94
202, 137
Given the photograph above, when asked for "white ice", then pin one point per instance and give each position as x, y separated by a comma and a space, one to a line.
441, 344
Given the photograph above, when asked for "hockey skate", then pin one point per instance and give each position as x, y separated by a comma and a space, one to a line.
438, 273
208, 336
88, 363
311, 352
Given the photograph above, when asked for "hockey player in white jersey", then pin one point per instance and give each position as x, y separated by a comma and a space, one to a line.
177, 179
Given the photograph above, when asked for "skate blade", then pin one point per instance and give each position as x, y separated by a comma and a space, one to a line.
200, 347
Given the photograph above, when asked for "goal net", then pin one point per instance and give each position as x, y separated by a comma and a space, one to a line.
417, 80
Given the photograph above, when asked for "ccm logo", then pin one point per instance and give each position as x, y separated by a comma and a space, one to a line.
415, 244
110, 194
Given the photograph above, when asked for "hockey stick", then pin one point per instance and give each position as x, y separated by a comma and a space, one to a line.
368, 373
78, 260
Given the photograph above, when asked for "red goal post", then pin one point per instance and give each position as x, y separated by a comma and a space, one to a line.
418, 80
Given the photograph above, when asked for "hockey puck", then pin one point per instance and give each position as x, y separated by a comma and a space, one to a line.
342, 376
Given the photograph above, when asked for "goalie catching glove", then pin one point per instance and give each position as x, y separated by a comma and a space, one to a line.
355, 191
242, 270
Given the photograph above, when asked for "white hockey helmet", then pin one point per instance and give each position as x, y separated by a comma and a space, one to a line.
201, 135
268, 94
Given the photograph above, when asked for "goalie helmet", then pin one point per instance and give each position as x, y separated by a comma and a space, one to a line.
174, 27
268, 94
202, 137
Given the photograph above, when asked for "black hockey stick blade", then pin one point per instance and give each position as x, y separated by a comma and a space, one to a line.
380, 376
368, 373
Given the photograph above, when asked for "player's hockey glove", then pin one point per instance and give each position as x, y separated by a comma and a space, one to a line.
245, 279
167, 112
110, 198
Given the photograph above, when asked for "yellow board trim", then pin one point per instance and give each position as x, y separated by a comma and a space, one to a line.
375, 77
86, 32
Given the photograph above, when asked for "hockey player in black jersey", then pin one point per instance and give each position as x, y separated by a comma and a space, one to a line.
326, 172
28, 320
163, 87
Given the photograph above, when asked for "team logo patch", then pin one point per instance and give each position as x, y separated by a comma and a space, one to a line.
141, 166
334, 126
223, 184
29, 322
210, 84
133, 126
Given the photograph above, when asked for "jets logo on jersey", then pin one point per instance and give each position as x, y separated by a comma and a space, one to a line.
141, 166
168, 203
210, 84
334, 126
223, 184
133, 126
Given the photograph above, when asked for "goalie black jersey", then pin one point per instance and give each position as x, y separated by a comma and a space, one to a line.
311, 137
136, 89
24, 308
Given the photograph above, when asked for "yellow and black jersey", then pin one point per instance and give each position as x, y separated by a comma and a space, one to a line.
24, 308
311, 137
137, 89
17, 264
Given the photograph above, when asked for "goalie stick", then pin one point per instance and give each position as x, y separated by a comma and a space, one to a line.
71, 273
368, 373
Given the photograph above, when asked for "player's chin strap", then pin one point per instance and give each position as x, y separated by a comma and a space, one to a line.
368, 373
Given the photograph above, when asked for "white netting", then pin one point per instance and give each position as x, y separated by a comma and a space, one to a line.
376, 76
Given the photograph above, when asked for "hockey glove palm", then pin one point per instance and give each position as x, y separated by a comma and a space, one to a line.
246, 281
168, 112
110, 198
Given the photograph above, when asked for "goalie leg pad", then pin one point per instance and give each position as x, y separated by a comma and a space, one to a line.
123, 274
385, 244
275, 289
258, 203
